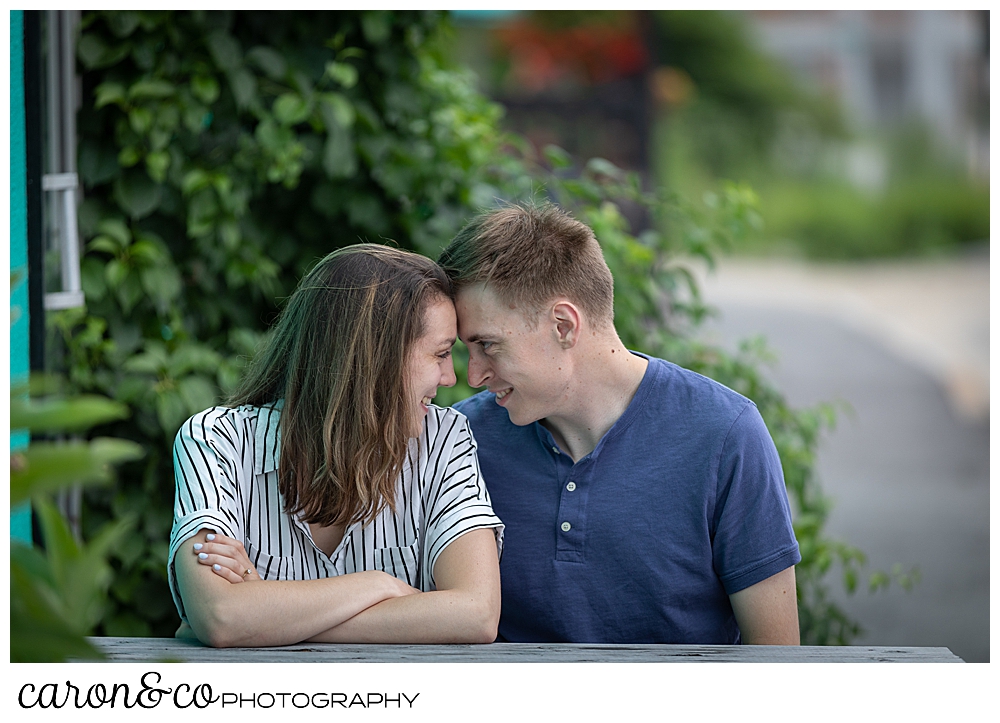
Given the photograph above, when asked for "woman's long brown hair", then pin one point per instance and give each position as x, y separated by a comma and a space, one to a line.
337, 357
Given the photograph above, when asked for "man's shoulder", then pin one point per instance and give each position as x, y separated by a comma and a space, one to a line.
688, 389
479, 407
490, 422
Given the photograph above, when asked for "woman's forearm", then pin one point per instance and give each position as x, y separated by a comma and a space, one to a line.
281, 612
442, 616
464, 609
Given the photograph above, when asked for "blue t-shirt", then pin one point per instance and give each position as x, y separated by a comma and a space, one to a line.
681, 504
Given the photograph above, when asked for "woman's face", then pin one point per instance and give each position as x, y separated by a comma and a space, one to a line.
430, 365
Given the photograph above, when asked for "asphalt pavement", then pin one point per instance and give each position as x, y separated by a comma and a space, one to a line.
906, 346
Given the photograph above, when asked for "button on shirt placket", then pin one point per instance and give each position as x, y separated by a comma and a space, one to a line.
571, 516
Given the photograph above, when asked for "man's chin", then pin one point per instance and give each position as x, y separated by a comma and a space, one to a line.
520, 419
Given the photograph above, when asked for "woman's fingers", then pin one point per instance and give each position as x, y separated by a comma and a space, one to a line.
227, 557
228, 568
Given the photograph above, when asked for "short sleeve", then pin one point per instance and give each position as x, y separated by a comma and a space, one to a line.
457, 501
207, 471
753, 537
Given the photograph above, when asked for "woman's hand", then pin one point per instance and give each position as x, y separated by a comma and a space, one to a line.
227, 558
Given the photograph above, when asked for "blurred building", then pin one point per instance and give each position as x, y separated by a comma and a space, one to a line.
576, 79
889, 68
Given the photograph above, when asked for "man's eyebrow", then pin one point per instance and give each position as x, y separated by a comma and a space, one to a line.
474, 338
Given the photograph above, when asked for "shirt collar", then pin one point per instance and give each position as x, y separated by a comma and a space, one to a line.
267, 438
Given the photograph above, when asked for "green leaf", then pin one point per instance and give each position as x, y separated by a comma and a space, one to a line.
244, 87
152, 88
49, 466
141, 120
603, 167
557, 157
117, 230
268, 60
95, 53
98, 164
162, 283
137, 194
149, 249
225, 50
291, 108
92, 279
205, 88
122, 22
129, 156
115, 272
107, 93
343, 73
202, 213
157, 164
229, 234
336, 110
194, 180
74, 414
197, 392
171, 411
193, 357
153, 361
105, 244
129, 293
38, 632
376, 25
79, 572
339, 159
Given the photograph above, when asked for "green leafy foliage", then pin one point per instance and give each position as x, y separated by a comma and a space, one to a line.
58, 593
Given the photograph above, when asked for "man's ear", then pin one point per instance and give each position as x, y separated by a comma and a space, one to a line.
568, 322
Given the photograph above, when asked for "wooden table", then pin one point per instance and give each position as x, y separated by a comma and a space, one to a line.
135, 650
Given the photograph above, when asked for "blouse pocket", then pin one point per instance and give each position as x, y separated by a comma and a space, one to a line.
272, 567
400, 562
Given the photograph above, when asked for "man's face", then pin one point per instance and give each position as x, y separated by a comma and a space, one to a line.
512, 356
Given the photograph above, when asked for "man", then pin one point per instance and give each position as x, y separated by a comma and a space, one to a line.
643, 502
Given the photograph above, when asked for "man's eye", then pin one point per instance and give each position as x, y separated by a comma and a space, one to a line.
485, 344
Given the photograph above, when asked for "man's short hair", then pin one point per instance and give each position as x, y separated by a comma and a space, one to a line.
530, 254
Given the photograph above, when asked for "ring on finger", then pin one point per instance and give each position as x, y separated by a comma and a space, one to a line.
247, 572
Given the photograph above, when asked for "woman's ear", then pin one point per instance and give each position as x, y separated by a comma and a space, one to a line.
567, 323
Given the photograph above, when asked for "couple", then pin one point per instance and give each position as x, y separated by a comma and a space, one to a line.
330, 501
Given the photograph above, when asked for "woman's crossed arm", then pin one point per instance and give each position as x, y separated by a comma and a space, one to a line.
225, 611
278, 612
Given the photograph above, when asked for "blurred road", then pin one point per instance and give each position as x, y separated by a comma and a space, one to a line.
906, 345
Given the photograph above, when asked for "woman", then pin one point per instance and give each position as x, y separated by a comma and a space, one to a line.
330, 501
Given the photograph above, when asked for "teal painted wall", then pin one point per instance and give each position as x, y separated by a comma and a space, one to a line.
20, 519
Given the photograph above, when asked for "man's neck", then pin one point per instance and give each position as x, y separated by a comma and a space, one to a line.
606, 377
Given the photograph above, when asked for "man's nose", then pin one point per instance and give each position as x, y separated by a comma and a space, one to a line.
478, 372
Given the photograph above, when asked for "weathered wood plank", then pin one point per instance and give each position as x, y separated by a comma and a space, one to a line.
168, 649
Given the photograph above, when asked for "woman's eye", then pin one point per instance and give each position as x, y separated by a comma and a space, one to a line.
445, 354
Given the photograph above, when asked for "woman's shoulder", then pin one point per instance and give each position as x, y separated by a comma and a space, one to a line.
444, 425
219, 420
445, 417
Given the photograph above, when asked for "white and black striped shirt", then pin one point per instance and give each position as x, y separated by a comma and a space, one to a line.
226, 472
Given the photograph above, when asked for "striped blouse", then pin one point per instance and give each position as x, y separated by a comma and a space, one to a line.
226, 473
